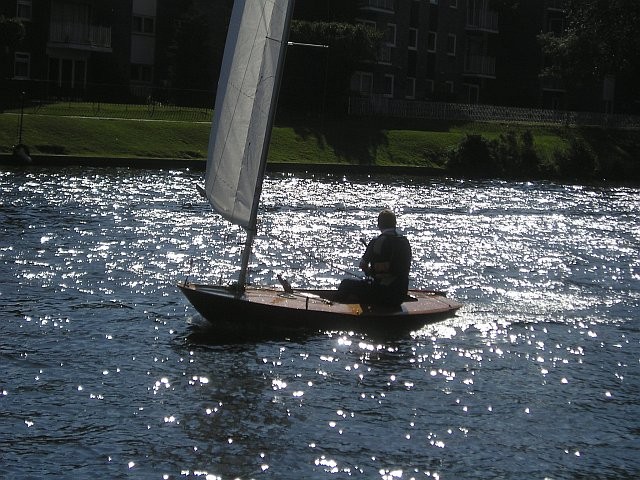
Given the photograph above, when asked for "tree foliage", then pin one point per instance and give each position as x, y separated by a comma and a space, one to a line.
318, 78
602, 38
12, 32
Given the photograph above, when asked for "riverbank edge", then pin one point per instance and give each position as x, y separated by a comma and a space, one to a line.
68, 161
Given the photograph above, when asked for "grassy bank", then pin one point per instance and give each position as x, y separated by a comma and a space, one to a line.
344, 141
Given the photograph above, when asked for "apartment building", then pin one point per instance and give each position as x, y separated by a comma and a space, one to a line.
432, 50
73, 44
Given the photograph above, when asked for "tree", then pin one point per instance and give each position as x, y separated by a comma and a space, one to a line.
601, 39
314, 74
12, 32
196, 52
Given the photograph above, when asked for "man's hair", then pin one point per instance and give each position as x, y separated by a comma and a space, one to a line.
386, 219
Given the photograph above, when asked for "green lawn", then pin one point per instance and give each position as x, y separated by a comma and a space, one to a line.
107, 130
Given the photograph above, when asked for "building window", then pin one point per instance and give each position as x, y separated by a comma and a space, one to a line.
411, 88
362, 82
389, 80
390, 35
433, 2
141, 73
413, 39
22, 65
380, 4
146, 25
432, 41
384, 55
453, 3
430, 84
23, 9
451, 44
448, 86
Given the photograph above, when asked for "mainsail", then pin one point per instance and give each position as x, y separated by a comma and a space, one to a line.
245, 105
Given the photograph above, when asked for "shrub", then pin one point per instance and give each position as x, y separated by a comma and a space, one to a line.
579, 161
474, 158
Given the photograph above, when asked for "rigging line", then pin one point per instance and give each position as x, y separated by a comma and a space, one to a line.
316, 257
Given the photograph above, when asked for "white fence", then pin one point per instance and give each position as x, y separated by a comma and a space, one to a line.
381, 106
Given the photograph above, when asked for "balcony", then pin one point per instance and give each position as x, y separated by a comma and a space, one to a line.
482, 21
386, 5
78, 36
556, 5
551, 83
480, 66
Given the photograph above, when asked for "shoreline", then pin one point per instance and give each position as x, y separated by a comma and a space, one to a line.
40, 160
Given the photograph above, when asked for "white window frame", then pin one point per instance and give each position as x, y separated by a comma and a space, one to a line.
411, 88
384, 5
141, 70
22, 7
384, 55
432, 35
413, 45
144, 20
391, 31
455, 44
22, 58
450, 87
360, 77
392, 80
430, 86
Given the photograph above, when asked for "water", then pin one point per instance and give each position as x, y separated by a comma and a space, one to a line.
107, 372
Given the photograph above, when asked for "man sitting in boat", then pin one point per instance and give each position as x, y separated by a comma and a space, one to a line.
386, 262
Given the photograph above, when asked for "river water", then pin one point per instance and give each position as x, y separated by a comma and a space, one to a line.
107, 371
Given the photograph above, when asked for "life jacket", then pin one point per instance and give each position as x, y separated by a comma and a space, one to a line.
389, 258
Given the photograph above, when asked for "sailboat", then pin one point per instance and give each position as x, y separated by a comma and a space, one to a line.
244, 111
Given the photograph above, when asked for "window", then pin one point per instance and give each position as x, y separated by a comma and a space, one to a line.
432, 41
411, 88
23, 9
384, 55
451, 44
433, 2
390, 35
388, 85
145, 25
378, 4
430, 83
141, 73
413, 39
448, 85
22, 65
362, 82
453, 3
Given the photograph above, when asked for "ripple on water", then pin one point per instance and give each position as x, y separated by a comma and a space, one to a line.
536, 377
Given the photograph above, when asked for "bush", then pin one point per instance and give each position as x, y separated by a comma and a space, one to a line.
474, 158
508, 156
580, 161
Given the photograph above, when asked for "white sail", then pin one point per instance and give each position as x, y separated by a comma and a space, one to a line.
245, 104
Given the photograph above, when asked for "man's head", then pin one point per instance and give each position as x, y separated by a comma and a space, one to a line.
386, 219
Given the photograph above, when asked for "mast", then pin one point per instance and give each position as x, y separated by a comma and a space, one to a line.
251, 229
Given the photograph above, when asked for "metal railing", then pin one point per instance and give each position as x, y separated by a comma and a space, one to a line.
482, 65
381, 106
79, 34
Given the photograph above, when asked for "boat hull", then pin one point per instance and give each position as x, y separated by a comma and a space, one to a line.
263, 310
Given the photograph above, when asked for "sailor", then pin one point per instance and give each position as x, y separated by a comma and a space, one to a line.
386, 262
